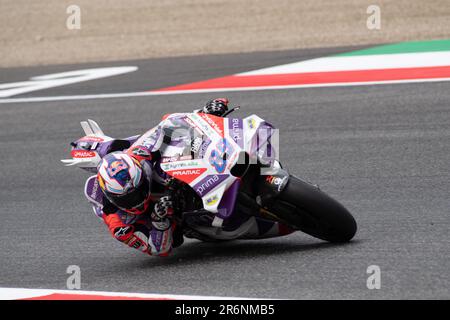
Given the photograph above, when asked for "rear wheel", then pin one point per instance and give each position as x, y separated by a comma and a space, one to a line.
305, 207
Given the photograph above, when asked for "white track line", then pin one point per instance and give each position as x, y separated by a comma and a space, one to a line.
17, 293
365, 62
55, 80
163, 93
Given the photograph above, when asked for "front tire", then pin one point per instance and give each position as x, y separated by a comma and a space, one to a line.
305, 207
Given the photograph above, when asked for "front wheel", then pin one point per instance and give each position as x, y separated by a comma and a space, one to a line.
305, 207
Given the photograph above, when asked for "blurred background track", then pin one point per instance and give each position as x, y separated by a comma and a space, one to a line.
35, 33
383, 151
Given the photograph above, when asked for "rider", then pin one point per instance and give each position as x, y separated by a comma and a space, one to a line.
126, 178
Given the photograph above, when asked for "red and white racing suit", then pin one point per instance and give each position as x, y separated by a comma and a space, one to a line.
156, 238
140, 231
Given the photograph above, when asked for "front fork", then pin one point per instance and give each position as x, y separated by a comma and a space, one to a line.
270, 183
263, 186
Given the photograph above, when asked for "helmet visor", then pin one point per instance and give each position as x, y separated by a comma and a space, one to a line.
134, 198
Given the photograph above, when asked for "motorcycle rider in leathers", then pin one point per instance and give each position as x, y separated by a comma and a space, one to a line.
134, 215
142, 219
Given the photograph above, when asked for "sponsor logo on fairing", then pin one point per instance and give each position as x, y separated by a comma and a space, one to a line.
183, 158
196, 144
276, 181
178, 165
170, 159
177, 157
187, 175
186, 172
141, 152
217, 125
212, 200
190, 122
251, 123
208, 183
236, 131
200, 123
91, 139
205, 144
94, 190
83, 154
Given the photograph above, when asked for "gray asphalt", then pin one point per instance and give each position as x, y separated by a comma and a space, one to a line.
164, 72
383, 151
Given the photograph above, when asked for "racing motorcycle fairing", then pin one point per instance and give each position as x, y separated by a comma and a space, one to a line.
218, 159
196, 148
94, 195
202, 150
89, 150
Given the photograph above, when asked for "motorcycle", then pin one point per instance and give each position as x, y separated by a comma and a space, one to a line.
227, 178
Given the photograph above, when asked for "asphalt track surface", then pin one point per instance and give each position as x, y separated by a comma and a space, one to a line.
383, 151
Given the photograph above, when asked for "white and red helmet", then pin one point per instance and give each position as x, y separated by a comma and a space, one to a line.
124, 182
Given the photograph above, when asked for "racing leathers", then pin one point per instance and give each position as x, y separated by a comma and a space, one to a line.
154, 231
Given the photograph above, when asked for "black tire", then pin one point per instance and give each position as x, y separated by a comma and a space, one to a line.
305, 207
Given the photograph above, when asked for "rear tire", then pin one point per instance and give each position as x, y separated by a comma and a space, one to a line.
305, 207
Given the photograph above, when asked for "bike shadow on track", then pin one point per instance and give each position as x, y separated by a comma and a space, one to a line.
201, 252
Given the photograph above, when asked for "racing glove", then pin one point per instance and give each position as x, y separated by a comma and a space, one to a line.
126, 234
217, 107
162, 213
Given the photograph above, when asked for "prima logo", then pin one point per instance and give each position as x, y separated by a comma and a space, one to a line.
208, 184
236, 131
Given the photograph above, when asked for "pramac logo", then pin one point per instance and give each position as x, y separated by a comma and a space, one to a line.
186, 172
187, 175
82, 154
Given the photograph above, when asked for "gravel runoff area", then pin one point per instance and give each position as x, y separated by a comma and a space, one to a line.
35, 32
